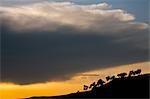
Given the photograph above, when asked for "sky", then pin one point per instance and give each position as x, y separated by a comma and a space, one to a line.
54, 40
139, 8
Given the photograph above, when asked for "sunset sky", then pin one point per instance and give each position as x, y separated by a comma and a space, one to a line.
48, 45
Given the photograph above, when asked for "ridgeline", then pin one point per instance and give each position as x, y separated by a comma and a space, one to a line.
126, 87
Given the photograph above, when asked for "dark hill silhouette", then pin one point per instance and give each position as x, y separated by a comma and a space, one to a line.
127, 87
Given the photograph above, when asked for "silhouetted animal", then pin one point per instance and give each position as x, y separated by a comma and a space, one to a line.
113, 77
100, 82
92, 85
122, 75
85, 87
131, 73
138, 71
110, 78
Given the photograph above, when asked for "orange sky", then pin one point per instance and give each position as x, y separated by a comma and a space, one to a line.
14, 91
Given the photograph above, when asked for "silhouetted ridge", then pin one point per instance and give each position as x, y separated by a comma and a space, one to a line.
123, 87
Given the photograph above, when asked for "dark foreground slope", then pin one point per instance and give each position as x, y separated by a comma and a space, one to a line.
129, 87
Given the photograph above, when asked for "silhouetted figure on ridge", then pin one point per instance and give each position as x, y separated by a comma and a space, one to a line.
137, 72
85, 87
122, 75
100, 82
107, 78
92, 85
110, 78
113, 77
131, 73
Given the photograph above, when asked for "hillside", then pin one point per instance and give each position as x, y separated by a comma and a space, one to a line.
128, 87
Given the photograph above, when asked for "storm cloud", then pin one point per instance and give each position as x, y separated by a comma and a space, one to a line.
53, 41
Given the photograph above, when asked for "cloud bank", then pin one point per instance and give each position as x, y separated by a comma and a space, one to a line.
52, 16
55, 40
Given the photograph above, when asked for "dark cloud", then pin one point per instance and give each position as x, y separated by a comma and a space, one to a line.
38, 46
37, 57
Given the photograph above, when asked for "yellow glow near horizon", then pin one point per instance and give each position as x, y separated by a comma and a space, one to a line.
14, 91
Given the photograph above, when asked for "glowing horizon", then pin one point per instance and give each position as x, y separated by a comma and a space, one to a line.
10, 90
